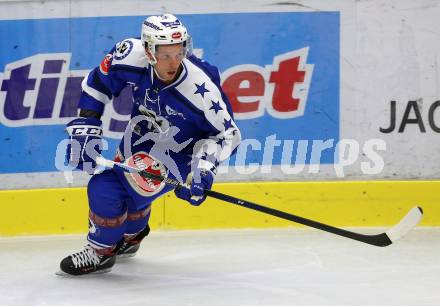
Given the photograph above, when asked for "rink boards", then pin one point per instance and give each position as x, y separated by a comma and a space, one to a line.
348, 203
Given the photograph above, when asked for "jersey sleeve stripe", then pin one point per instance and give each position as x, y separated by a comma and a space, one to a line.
103, 98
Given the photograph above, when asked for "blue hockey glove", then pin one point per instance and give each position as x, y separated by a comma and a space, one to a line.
85, 143
200, 181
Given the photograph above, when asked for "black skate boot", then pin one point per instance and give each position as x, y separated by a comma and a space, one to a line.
131, 245
88, 261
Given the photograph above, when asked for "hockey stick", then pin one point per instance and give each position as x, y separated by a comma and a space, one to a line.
384, 239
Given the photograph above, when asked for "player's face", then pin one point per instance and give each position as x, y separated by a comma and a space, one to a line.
169, 58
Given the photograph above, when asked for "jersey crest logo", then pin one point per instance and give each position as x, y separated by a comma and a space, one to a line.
123, 49
145, 186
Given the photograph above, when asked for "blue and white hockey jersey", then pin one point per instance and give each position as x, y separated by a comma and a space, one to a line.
190, 120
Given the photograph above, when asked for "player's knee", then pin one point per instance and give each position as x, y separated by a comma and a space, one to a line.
106, 195
95, 183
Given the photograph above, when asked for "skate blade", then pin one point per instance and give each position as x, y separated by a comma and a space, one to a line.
62, 273
125, 256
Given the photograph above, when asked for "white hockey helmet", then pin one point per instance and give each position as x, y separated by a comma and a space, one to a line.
164, 30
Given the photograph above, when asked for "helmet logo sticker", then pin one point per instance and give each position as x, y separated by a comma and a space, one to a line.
152, 25
176, 35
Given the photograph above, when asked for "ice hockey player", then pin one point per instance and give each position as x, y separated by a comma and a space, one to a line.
181, 126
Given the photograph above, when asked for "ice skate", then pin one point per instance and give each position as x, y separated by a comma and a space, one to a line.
131, 246
88, 261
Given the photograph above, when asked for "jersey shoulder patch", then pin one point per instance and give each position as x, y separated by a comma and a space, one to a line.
123, 48
130, 52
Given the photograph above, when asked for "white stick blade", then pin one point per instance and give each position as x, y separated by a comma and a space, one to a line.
406, 224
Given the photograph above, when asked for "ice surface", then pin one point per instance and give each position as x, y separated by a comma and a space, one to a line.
230, 267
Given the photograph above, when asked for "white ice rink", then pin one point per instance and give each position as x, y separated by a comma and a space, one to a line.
230, 267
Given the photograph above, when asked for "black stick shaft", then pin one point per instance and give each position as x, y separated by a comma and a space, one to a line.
294, 218
377, 240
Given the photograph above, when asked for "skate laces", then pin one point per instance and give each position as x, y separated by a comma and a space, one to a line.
86, 257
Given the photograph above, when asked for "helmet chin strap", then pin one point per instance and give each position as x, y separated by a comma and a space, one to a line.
157, 74
150, 57
152, 60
